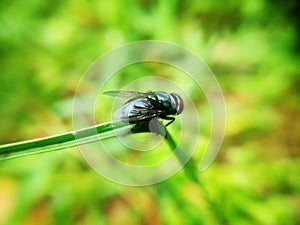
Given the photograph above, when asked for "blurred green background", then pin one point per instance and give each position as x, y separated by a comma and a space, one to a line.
252, 47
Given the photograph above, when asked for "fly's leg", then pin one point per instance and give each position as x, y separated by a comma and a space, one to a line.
169, 118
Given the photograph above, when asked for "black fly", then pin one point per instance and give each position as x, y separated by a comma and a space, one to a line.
141, 107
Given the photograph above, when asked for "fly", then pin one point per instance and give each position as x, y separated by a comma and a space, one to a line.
143, 106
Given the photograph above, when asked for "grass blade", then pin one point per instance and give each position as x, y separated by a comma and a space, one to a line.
63, 141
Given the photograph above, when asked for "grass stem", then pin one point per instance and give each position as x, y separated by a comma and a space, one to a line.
63, 141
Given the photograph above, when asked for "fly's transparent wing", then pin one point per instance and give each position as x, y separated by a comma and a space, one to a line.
136, 110
125, 94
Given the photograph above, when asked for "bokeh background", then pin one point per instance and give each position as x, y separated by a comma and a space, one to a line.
251, 46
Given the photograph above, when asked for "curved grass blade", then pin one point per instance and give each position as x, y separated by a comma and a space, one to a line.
64, 140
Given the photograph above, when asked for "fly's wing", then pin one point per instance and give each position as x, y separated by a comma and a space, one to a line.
125, 94
135, 111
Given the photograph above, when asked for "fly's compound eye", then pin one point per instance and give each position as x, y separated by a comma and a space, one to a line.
178, 103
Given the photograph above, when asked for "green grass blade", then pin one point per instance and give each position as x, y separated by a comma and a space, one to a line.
191, 171
64, 140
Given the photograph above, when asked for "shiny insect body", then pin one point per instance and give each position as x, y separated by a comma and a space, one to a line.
144, 106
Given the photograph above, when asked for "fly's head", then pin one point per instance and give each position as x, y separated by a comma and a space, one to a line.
176, 103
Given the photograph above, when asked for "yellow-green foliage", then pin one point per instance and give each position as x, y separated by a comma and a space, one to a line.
251, 46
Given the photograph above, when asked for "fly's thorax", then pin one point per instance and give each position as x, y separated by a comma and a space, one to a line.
164, 101
152, 97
